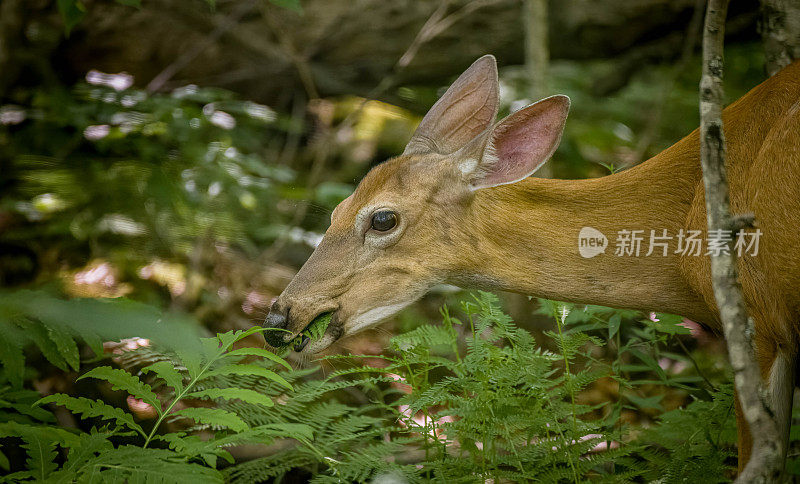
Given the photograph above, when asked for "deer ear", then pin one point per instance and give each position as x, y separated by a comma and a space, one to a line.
517, 146
468, 108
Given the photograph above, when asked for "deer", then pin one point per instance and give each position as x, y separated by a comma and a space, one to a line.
459, 206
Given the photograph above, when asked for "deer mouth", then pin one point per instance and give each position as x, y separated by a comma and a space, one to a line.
317, 335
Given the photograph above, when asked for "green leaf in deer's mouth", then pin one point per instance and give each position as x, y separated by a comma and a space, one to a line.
313, 332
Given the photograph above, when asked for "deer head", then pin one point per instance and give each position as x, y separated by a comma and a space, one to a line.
411, 223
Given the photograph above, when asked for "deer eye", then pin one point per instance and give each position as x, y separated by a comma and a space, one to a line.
384, 220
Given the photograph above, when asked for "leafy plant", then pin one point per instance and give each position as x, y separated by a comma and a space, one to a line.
177, 456
701, 434
56, 327
479, 400
468, 400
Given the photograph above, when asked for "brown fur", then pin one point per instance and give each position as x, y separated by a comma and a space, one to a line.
522, 237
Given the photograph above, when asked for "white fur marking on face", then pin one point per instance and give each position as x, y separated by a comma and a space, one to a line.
361, 217
372, 317
468, 166
319, 345
488, 160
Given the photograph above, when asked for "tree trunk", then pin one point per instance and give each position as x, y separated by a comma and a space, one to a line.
765, 464
537, 50
537, 58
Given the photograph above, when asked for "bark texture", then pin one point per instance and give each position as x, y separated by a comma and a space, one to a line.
765, 463
537, 49
779, 26
537, 59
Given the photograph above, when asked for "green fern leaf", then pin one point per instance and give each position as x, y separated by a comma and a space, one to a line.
298, 431
111, 319
38, 334
193, 446
192, 360
23, 402
167, 372
66, 345
40, 443
214, 417
259, 352
251, 370
122, 380
131, 464
227, 339
318, 326
243, 394
282, 430
88, 408
41, 455
80, 457
424, 336
11, 355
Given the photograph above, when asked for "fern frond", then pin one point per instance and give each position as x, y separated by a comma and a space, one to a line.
243, 394
129, 463
39, 335
266, 354
88, 408
193, 446
425, 335
249, 370
213, 417
226, 340
56, 325
122, 380
81, 453
266, 433
23, 402
11, 356
167, 372
271, 468
65, 344
40, 444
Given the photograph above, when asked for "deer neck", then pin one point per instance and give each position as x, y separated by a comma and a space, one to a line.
529, 236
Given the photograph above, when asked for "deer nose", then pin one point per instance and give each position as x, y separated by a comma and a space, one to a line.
278, 319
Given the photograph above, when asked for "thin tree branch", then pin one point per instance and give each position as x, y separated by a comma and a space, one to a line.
187, 57
651, 131
765, 463
299, 60
537, 59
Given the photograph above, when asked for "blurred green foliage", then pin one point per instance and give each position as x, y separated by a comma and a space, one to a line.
202, 200
157, 172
